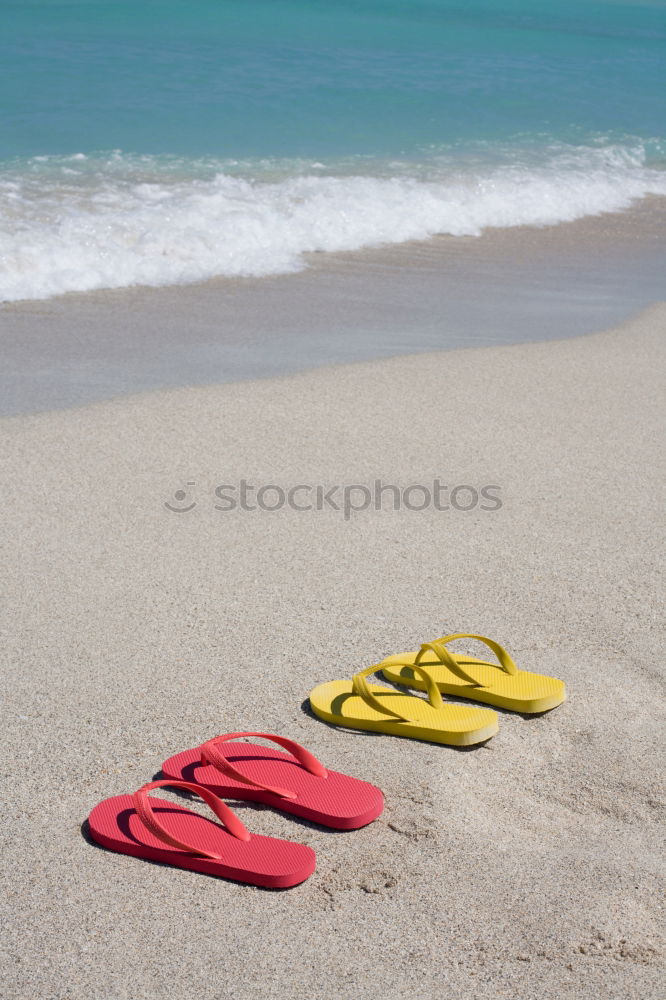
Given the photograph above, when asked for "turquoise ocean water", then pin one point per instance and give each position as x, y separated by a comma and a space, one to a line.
165, 142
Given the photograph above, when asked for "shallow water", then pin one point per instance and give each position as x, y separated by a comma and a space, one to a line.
326, 78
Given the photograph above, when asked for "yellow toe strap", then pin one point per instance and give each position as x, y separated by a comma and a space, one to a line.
361, 688
438, 647
504, 663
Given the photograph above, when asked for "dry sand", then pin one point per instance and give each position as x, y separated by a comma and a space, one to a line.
526, 868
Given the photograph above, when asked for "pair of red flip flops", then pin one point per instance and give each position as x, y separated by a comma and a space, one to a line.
294, 782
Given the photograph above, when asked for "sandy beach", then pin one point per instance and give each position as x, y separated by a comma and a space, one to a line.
525, 868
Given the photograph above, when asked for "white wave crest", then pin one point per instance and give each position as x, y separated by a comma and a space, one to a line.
79, 223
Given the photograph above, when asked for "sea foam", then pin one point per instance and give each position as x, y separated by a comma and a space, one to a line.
79, 223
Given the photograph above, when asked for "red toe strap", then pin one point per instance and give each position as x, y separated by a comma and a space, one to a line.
145, 813
211, 753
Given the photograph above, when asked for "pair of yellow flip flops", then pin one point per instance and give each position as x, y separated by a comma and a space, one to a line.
435, 669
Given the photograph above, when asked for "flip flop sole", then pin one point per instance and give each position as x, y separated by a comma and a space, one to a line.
263, 861
521, 692
454, 725
338, 800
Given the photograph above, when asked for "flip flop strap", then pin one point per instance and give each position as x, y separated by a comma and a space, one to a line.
212, 754
144, 811
361, 688
505, 662
441, 652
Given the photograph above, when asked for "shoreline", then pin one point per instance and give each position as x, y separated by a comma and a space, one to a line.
131, 632
507, 286
654, 312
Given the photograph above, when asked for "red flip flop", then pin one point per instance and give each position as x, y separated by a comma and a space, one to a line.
294, 782
162, 831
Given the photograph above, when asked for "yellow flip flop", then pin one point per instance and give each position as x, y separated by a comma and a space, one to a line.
356, 704
501, 683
